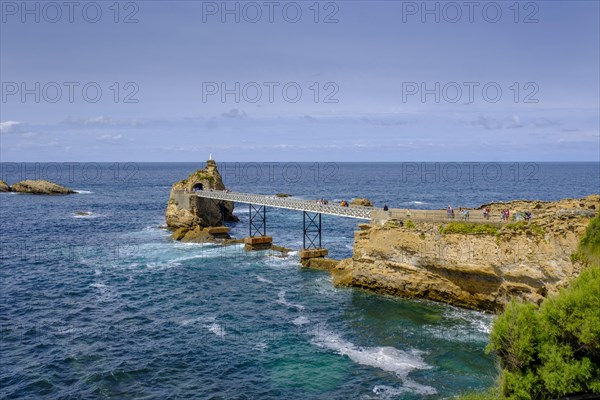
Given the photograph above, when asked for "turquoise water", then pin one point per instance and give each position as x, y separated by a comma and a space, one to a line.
107, 306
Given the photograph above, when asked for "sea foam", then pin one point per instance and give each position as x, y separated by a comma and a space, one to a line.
283, 301
386, 358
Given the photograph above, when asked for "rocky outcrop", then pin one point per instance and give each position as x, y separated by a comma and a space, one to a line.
4, 187
522, 260
191, 216
40, 187
361, 202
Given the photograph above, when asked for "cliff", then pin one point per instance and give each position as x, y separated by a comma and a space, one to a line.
469, 265
190, 217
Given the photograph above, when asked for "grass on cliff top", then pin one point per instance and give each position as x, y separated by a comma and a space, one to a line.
524, 226
467, 228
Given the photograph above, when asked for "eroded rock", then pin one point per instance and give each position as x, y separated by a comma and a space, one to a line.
189, 215
4, 187
40, 187
525, 261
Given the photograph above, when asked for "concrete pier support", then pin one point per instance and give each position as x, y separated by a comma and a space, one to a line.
253, 243
218, 232
306, 254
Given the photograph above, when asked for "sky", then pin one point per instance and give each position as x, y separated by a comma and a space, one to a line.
300, 81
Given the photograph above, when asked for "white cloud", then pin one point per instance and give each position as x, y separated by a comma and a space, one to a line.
110, 137
10, 126
234, 113
102, 121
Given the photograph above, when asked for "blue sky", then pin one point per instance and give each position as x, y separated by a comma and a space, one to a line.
370, 68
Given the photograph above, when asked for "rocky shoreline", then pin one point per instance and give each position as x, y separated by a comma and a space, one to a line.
481, 270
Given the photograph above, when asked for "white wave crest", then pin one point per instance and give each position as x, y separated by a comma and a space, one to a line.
263, 280
282, 300
385, 358
301, 320
217, 329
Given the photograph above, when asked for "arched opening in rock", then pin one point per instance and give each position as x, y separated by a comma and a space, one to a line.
197, 186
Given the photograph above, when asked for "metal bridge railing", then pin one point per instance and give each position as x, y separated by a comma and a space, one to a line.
288, 203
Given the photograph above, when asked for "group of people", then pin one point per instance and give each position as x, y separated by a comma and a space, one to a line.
322, 202
486, 213
463, 212
344, 203
505, 215
522, 215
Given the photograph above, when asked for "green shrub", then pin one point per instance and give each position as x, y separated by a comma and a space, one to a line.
490, 394
589, 246
553, 350
537, 230
409, 224
517, 226
468, 228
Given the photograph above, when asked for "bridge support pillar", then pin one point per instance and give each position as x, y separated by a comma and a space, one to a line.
311, 241
258, 243
258, 239
258, 220
306, 254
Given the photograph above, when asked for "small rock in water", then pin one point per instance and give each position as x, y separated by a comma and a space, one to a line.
361, 202
83, 213
4, 187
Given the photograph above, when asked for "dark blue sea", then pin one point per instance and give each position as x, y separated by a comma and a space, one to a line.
105, 305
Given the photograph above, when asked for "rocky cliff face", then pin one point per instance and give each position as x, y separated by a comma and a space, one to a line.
482, 269
189, 215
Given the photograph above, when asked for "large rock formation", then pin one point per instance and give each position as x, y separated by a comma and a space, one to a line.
523, 260
4, 187
191, 216
40, 187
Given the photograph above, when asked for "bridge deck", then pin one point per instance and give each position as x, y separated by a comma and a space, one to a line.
289, 203
365, 213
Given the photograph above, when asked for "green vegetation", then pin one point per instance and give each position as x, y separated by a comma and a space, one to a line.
199, 175
589, 246
468, 228
409, 224
490, 394
524, 227
552, 350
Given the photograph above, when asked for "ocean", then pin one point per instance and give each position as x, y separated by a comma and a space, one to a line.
98, 302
